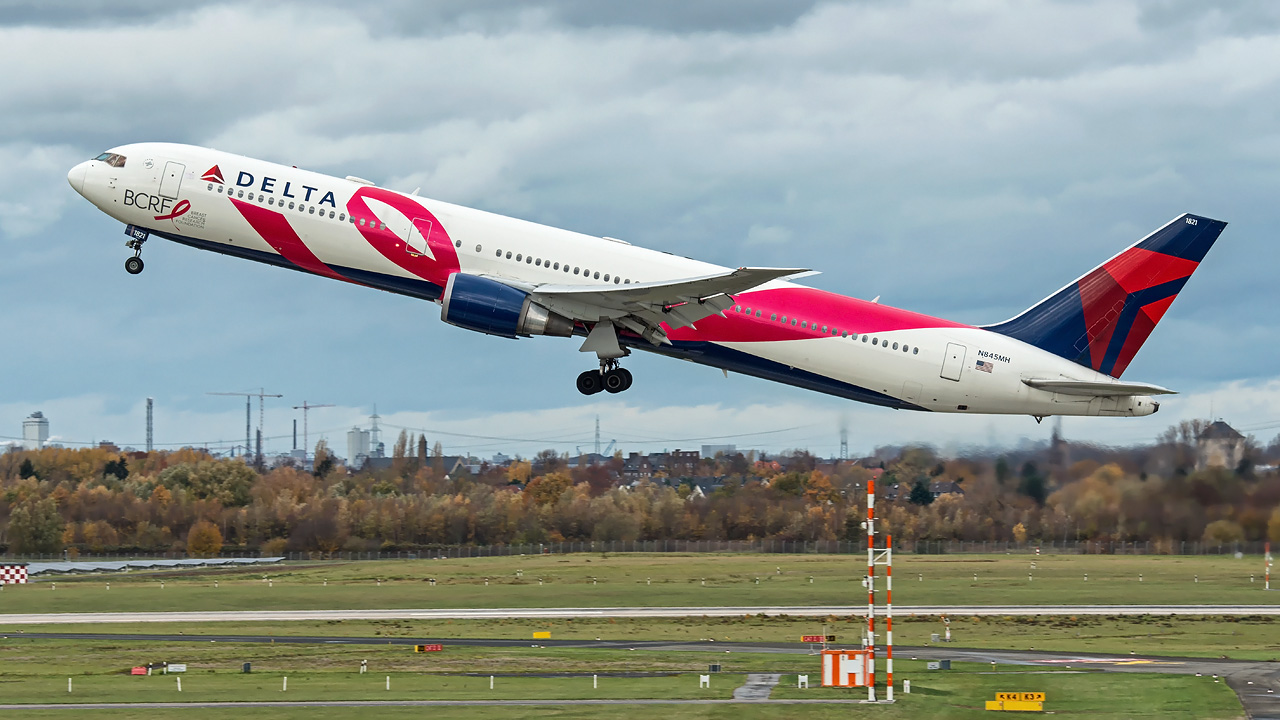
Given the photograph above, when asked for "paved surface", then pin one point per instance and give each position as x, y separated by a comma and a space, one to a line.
10, 619
758, 687
406, 703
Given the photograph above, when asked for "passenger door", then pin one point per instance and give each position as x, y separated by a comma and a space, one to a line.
171, 180
953, 362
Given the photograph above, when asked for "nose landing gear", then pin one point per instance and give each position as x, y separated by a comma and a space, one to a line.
609, 377
134, 265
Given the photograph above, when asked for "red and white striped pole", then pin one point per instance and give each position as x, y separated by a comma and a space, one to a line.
888, 617
871, 590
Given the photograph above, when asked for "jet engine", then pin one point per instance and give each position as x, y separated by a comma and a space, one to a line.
488, 306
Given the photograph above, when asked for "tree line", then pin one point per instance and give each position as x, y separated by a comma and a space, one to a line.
95, 500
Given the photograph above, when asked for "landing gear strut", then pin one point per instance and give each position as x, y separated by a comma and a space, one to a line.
134, 265
610, 377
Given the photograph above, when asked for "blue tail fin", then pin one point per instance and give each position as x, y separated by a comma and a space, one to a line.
1101, 320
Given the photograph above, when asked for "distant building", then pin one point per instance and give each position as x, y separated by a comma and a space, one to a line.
938, 488
683, 463
710, 451
108, 446
637, 467
357, 446
1219, 446
35, 431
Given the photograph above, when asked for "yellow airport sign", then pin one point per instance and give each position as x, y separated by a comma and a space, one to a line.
544, 635
1022, 696
1016, 705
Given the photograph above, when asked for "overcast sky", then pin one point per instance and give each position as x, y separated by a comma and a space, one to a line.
962, 159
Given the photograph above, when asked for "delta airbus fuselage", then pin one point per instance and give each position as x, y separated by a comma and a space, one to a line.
513, 278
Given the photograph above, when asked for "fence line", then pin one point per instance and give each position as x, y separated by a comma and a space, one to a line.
812, 547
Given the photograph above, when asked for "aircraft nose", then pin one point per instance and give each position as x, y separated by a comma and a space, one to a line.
76, 176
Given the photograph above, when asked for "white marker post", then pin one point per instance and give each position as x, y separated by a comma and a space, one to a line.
490, 682
1267, 550
388, 682
68, 684
285, 686
179, 684
595, 682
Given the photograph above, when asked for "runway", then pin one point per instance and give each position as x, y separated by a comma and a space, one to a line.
14, 619
416, 703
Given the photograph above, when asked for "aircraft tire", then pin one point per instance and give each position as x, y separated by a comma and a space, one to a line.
590, 382
616, 380
133, 265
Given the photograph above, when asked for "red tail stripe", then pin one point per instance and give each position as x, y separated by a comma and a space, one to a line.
1140, 269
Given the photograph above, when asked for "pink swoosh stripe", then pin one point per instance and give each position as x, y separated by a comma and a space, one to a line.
393, 247
275, 229
808, 305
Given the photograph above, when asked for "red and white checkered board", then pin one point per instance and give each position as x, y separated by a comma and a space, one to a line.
13, 574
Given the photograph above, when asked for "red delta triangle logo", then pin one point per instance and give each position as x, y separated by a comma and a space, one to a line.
213, 174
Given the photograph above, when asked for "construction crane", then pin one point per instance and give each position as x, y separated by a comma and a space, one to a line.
306, 441
248, 429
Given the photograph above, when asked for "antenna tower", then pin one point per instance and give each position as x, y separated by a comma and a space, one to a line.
248, 410
150, 403
375, 432
306, 433
597, 436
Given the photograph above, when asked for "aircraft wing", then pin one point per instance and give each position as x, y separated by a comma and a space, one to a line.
1096, 389
641, 307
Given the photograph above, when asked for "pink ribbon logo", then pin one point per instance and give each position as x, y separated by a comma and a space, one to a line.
180, 209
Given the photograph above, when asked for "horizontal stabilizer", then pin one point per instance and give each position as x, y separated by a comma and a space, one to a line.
1096, 389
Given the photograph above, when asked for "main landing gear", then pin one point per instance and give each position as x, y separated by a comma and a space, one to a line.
134, 265
609, 377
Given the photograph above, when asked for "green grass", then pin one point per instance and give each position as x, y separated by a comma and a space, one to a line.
222, 686
588, 580
955, 694
1215, 705
37, 671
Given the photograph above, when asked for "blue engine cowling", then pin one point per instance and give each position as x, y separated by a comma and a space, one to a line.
488, 306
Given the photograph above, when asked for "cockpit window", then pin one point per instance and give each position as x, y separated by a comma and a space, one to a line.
111, 159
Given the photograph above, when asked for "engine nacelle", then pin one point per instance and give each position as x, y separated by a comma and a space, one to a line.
488, 306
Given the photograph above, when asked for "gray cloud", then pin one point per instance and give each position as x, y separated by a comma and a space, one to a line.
962, 159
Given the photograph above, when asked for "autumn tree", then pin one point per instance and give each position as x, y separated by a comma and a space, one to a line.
920, 494
35, 527
204, 540
547, 489
1223, 532
226, 481
323, 461
518, 471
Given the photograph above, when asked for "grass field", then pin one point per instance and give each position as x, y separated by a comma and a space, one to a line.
586, 580
41, 667
36, 670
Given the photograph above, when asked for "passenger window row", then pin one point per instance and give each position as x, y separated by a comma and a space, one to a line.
371, 223
539, 262
825, 329
377, 225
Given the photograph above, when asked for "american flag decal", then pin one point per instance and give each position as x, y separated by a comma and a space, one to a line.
985, 366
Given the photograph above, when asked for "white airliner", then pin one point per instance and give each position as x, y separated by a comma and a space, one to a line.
512, 278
